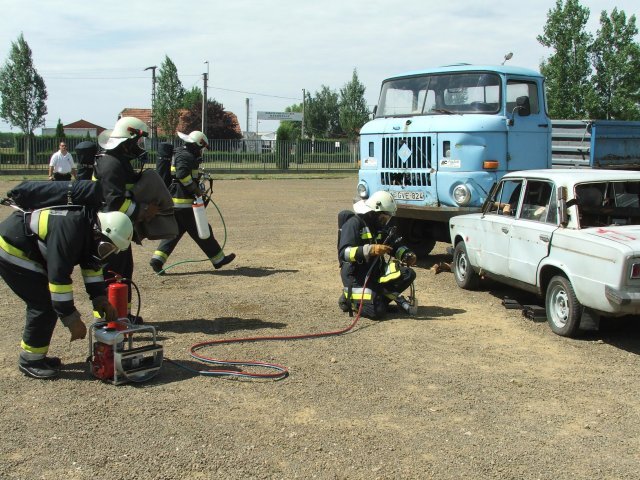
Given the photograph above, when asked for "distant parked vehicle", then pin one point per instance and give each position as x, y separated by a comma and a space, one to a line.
570, 235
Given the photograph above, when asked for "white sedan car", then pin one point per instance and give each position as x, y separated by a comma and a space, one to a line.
570, 235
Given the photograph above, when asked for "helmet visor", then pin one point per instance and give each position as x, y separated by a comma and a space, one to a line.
105, 249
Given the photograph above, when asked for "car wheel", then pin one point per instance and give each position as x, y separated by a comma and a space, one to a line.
466, 277
563, 309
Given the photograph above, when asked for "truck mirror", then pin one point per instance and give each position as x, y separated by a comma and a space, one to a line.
562, 206
523, 106
372, 115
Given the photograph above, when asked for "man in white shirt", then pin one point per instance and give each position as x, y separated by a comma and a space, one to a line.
61, 165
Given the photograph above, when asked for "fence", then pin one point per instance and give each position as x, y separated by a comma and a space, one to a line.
32, 156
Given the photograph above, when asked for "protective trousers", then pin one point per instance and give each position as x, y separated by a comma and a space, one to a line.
187, 224
374, 295
33, 289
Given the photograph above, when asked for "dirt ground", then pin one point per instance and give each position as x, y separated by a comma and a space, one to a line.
466, 389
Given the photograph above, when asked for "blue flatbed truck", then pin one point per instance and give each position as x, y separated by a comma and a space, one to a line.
440, 138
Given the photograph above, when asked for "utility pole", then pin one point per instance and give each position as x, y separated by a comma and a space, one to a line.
303, 99
205, 77
154, 133
247, 103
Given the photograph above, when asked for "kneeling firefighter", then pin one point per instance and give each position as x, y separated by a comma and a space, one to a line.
185, 189
363, 241
38, 252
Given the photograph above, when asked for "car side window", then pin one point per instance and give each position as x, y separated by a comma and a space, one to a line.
505, 199
539, 202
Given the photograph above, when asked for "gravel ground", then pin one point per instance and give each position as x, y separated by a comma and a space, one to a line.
466, 389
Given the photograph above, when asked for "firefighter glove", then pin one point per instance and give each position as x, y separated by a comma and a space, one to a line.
75, 325
410, 259
379, 249
107, 311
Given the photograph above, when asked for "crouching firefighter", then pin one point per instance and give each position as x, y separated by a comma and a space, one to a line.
38, 252
364, 240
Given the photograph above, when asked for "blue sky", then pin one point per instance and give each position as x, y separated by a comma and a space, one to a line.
92, 55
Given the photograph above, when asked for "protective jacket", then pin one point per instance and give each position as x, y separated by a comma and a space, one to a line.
51, 242
117, 178
185, 170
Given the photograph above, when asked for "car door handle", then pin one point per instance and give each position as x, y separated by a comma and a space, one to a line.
543, 125
505, 230
544, 238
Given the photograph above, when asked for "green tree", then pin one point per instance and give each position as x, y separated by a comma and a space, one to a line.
22, 91
615, 58
169, 97
322, 114
291, 130
567, 71
60, 130
353, 111
192, 97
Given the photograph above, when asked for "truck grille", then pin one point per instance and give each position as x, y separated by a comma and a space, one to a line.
406, 155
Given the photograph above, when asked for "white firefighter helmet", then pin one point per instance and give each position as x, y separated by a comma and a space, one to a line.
196, 137
117, 227
378, 202
125, 129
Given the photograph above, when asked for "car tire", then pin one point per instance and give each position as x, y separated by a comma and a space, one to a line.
563, 308
466, 277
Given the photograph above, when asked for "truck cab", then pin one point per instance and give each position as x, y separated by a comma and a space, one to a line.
440, 138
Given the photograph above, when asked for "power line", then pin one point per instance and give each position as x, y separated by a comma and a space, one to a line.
146, 78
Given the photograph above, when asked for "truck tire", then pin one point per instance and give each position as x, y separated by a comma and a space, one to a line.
416, 235
466, 277
563, 309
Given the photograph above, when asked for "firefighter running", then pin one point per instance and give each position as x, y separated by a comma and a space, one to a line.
185, 188
360, 244
38, 252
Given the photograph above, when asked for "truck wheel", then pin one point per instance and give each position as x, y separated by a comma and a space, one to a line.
417, 236
466, 277
563, 309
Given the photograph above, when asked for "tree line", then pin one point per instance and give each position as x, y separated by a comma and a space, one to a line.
594, 76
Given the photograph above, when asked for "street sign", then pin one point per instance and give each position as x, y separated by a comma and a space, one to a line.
290, 116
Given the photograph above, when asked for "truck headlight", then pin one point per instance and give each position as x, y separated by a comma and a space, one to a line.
363, 191
461, 195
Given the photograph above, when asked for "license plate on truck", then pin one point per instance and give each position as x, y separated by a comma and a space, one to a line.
405, 195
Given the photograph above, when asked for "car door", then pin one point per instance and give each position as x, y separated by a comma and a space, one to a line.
530, 235
496, 225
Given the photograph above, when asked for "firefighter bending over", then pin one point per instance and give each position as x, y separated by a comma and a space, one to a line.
38, 252
184, 189
363, 241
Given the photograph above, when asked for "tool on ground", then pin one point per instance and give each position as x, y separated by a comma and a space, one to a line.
120, 352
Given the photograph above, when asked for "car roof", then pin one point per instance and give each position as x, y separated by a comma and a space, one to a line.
571, 176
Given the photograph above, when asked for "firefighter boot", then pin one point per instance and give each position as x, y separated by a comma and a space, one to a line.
343, 303
43, 368
157, 266
225, 260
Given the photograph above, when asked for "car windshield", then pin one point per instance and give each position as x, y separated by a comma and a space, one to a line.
443, 94
608, 203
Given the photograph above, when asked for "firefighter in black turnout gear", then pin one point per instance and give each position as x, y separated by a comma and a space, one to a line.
184, 189
362, 251
38, 252
117, 178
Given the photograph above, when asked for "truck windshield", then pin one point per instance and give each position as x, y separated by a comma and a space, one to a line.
442, 94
